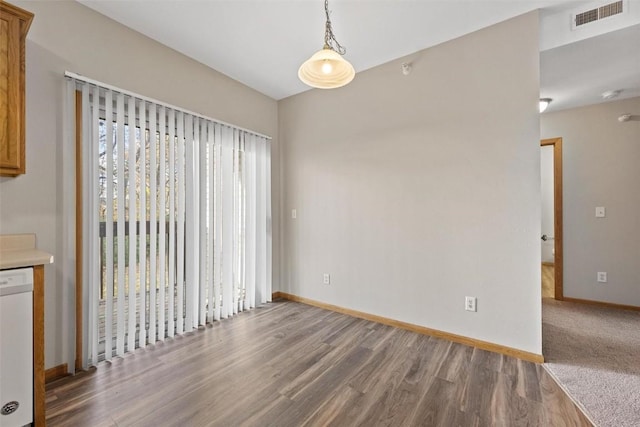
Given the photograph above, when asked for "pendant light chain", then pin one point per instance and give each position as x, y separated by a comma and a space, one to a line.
330, 41
327, 69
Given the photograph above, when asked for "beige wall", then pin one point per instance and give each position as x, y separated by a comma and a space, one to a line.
416, 191
601, 167
68, 36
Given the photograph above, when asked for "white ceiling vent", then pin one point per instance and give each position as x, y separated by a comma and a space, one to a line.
597, 13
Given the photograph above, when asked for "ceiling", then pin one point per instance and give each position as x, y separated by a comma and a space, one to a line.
579, 73
262, 43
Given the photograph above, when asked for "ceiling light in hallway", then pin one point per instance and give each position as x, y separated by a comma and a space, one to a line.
544, 103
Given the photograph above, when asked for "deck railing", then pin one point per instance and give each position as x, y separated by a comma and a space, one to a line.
103, 250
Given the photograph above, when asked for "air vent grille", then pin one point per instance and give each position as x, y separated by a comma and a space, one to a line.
598, 13
586, 17
610, 10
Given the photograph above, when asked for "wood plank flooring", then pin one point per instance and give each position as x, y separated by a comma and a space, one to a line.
288, 364
548, 281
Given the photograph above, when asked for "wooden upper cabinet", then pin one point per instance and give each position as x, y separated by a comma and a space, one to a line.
14, 25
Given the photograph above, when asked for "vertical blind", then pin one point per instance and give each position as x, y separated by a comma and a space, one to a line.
176, 220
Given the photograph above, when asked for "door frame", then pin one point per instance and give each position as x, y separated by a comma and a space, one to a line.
557, 214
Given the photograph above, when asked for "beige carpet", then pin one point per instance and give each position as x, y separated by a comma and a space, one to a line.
594, 353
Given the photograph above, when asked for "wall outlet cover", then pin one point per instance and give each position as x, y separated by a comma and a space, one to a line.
470, 303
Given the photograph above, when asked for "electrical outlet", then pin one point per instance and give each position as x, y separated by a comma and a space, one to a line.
326, 279
602, 276
294, 214
470, 303
600, 212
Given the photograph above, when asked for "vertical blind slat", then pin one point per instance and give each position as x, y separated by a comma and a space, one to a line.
237, 220
204, 238
133, 244
250, 164
260, 228
108, 323
171, 285
226, 163
210, 224
180, 226
84, 156
162, 216
153, 220
217, 251
189, 218
242, 283
233, 242
193, 168
266, 185
121, 226
94, 253
142, 248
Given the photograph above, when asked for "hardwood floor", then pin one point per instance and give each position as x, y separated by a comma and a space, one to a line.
288, 364
548, 281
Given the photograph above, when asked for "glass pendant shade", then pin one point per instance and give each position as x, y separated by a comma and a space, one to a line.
326, 69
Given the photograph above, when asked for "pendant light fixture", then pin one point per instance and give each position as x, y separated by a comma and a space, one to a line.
327, 69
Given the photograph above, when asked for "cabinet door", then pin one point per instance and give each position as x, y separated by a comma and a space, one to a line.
11, 95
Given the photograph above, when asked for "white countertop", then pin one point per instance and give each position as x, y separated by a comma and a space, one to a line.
19, 250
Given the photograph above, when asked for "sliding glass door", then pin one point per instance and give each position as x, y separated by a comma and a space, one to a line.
175, 224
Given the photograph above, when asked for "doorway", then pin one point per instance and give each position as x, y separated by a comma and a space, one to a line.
551, 238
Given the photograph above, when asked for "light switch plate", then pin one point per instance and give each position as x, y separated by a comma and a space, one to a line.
294, 213
600, 212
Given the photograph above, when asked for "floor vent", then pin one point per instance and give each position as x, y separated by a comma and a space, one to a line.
597, 13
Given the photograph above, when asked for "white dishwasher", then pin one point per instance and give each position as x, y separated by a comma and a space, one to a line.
16, 347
